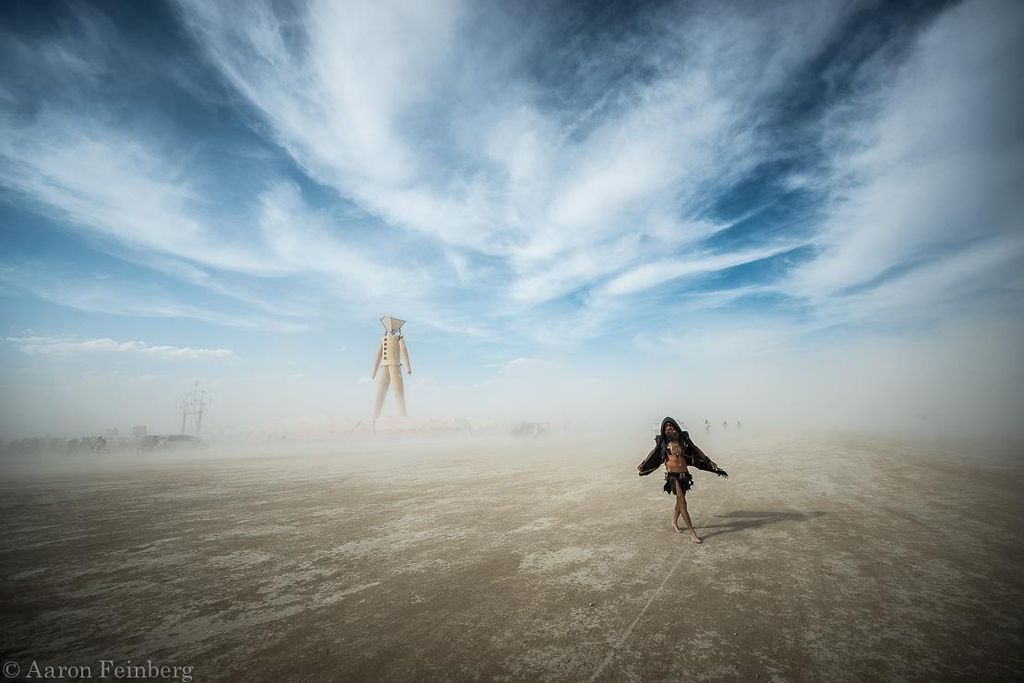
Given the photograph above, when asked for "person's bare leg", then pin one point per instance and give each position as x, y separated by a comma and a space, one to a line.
681, 497
675, 514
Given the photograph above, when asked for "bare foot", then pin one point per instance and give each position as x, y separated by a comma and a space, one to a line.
696, 539
675, 527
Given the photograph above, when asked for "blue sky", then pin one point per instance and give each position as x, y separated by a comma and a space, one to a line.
790, 205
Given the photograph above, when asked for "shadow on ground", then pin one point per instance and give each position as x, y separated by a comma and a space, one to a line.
747, 519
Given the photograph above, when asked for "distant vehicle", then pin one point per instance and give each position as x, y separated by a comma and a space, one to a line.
530, 429
171, 441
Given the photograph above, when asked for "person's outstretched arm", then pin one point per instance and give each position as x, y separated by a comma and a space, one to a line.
702, 461
654, 459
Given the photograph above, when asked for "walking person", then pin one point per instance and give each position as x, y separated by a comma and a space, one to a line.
674, 448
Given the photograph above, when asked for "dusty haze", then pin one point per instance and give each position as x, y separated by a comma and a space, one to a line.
959, 379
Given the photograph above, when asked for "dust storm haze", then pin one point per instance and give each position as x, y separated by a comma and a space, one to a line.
962, 379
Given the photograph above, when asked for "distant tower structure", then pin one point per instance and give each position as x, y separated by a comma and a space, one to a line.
193, 403
186, 408
391, 353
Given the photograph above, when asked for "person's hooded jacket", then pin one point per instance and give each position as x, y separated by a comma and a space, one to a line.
693, 455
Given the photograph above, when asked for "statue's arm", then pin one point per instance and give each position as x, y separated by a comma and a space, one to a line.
403, 349
376, 362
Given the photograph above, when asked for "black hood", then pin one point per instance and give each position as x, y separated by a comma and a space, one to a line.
671, 421
693, 454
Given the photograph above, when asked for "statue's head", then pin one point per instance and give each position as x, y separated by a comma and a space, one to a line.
391, 325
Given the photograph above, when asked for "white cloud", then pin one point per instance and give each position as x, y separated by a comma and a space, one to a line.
658, 272
337, 87
395, 117
66, 347
956, 282
110, 182
931, 161
139, 194
270, 297
105, 294
299, 239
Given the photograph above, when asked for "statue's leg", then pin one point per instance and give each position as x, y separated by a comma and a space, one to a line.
383, 381
396, 379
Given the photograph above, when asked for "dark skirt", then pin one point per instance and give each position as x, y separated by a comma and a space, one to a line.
684, 479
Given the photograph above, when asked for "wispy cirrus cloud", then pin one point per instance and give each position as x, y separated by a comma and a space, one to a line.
658, 272
152, 193
972, 277
434, 146
529, 199
925, 174
138, 299
138, 201
140, 193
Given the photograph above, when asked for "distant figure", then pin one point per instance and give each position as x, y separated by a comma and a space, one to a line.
725, 424
707, 426
100, 445
739, 426
674, 448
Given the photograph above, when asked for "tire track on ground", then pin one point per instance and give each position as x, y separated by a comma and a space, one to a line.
624, 636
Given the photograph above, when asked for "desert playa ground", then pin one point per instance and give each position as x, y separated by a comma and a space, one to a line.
825, 558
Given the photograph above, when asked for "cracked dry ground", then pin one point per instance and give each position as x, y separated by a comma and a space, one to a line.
826, 558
